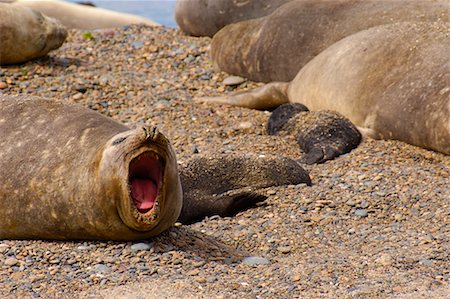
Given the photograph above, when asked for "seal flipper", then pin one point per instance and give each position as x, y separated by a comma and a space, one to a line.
326, 142
268, 96
225, 184
225, 205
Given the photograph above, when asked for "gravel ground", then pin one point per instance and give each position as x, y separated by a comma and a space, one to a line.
375, 223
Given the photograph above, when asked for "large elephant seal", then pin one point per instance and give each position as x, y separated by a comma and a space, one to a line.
392, 81
67, 172
26, 34
81, 16
276, 47
206, 17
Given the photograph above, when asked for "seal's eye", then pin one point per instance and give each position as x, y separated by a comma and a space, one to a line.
145, 174
118, 140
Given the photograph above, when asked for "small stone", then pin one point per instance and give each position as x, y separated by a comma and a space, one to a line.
82, 247
102, 268
245, 125
200, 279
426, 262
3, 248
361, 213
271, 192
3, 85
364, 205
255, 260
78, 96
385, 260
140, 246
80, 88
233, 80
11, 261
198, 264
137, 44
284, 249
350, 203
193, 272
38, 277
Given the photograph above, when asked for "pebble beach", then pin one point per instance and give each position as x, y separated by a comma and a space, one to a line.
374, 224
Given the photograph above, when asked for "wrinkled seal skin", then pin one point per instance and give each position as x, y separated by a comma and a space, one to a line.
82, 16
277, 46
391, 81
26, 34
64, 174
206, 17
224, 184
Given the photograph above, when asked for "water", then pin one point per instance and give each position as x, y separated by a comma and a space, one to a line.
160, 11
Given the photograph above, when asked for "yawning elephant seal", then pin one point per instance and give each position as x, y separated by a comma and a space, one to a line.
26, 34
67, 172
82, 16
206, 17
80, 175
276, 47
391, 81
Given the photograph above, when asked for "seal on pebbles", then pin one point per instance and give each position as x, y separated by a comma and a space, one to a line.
391, 81
206, 17
67, 172
26, 34
81, 16
277, 46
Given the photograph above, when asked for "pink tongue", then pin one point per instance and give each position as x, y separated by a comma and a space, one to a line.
144, 194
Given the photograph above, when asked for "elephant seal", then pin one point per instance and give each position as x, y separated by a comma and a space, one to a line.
206, 17
67, 172
322, 135
224, 184
81, 16
26, 34
277, 46
391, 81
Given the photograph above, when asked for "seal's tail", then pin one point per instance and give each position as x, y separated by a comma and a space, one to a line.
268, 96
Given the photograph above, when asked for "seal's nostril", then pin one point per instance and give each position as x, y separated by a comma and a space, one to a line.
151, 133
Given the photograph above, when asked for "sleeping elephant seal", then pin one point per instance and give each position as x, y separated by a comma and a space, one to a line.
206, 17
67, 172
26, 34
276, 47
83, 16
391, 81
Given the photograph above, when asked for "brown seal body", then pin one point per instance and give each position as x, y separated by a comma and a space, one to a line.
26, 34
67, 172
206, 17
81, 16
277, 46
391, 81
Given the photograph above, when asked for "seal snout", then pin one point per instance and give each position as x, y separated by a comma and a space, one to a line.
145, 175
